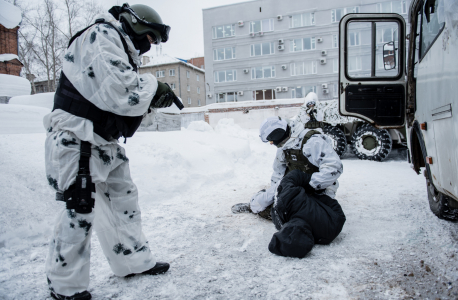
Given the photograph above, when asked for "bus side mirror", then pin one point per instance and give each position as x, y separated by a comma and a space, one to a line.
389, 56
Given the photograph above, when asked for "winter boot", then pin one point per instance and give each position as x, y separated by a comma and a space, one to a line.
78, 296
159, 268
241, 208
265, 214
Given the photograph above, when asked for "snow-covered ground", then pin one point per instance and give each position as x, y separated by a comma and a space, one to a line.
391, 247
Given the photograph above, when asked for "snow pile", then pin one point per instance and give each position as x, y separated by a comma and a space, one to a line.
21, 118
8, 57
10, 15
45, 100
11, 86
199, 126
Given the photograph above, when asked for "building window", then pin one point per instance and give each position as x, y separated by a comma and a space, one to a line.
224, 53
301, 20
334, 90
197, 77
399, 7
223, 31
227, 97
198, 90
302, 91
262, 49
160, 74
189, 88
304, 44
335, 65
188, 74
225, 76
354, 63
267, 94
172, 72
198, 102
354, 38
386, 35
335, 41
337, 14
263, 72
303, 68
262, 25
172, 86
202, 67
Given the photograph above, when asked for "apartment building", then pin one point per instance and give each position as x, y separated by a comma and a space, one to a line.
271, 49
186, 80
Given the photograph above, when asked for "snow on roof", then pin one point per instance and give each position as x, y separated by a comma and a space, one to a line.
164, 59
14, 85
8, 56
10, 15
45, 100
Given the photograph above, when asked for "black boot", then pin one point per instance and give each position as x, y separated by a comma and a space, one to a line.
78, 296
159, 268
241, 208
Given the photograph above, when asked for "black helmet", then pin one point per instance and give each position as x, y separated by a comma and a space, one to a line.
142, 21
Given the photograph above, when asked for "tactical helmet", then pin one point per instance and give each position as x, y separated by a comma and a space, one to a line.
143, 21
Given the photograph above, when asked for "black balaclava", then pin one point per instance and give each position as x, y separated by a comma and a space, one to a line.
278, 135
141, 44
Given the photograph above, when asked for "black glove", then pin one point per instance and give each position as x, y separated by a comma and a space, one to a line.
164, 96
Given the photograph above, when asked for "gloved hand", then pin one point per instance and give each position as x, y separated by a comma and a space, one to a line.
164, 96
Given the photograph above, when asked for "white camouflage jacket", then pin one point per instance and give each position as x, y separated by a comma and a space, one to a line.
98, 67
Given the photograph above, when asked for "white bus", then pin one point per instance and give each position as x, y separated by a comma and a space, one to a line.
412, 83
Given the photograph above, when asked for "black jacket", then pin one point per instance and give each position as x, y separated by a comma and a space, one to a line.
303, 217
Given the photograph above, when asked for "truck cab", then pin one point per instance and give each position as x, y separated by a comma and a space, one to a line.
397, 79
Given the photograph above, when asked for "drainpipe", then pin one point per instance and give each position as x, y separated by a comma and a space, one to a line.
179, 80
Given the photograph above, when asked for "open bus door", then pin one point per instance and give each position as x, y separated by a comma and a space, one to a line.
372, 68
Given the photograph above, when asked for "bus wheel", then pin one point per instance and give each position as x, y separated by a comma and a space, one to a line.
339, 142
441, 205
371, 143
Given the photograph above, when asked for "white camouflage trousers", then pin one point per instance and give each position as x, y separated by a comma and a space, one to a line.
116, 216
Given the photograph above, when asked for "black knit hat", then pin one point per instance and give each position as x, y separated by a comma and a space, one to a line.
278, 135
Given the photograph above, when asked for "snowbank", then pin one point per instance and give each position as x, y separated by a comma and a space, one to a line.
11, 86
199, 126
10, 15
21, 119
45, 100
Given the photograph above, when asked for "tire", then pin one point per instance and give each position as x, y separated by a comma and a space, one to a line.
339, 142
440, 205
371, 143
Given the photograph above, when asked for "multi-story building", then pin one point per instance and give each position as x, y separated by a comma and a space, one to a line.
198, 62
270, 49
186, 80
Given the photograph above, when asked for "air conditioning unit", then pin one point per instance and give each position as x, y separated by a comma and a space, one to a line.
278, 89
240, 23
240, 93
319, 40
324, 86
325, 91
279, 17
281, 41
284, 67
261, 33
209, 95
323, 61
246, 71
281, 47
252, 34
324, 52
284, 89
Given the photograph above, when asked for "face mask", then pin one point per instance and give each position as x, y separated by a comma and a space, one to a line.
143, 45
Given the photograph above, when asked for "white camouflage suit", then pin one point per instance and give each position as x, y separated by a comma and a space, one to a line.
318, 149
97, 65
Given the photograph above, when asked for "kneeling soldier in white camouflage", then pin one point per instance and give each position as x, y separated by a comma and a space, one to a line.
100, 98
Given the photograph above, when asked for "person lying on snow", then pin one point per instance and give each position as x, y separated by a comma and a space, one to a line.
305, 210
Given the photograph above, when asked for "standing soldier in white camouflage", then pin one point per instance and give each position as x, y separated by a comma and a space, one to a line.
101, 98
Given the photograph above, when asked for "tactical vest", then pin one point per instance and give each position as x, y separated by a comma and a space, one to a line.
296, 160
106, 124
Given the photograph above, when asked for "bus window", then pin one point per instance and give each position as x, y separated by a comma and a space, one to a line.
430, 26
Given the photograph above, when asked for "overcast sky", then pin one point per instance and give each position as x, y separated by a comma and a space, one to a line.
185, 17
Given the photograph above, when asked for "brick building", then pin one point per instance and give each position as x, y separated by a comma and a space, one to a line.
9, 45
198, 62
186, 80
